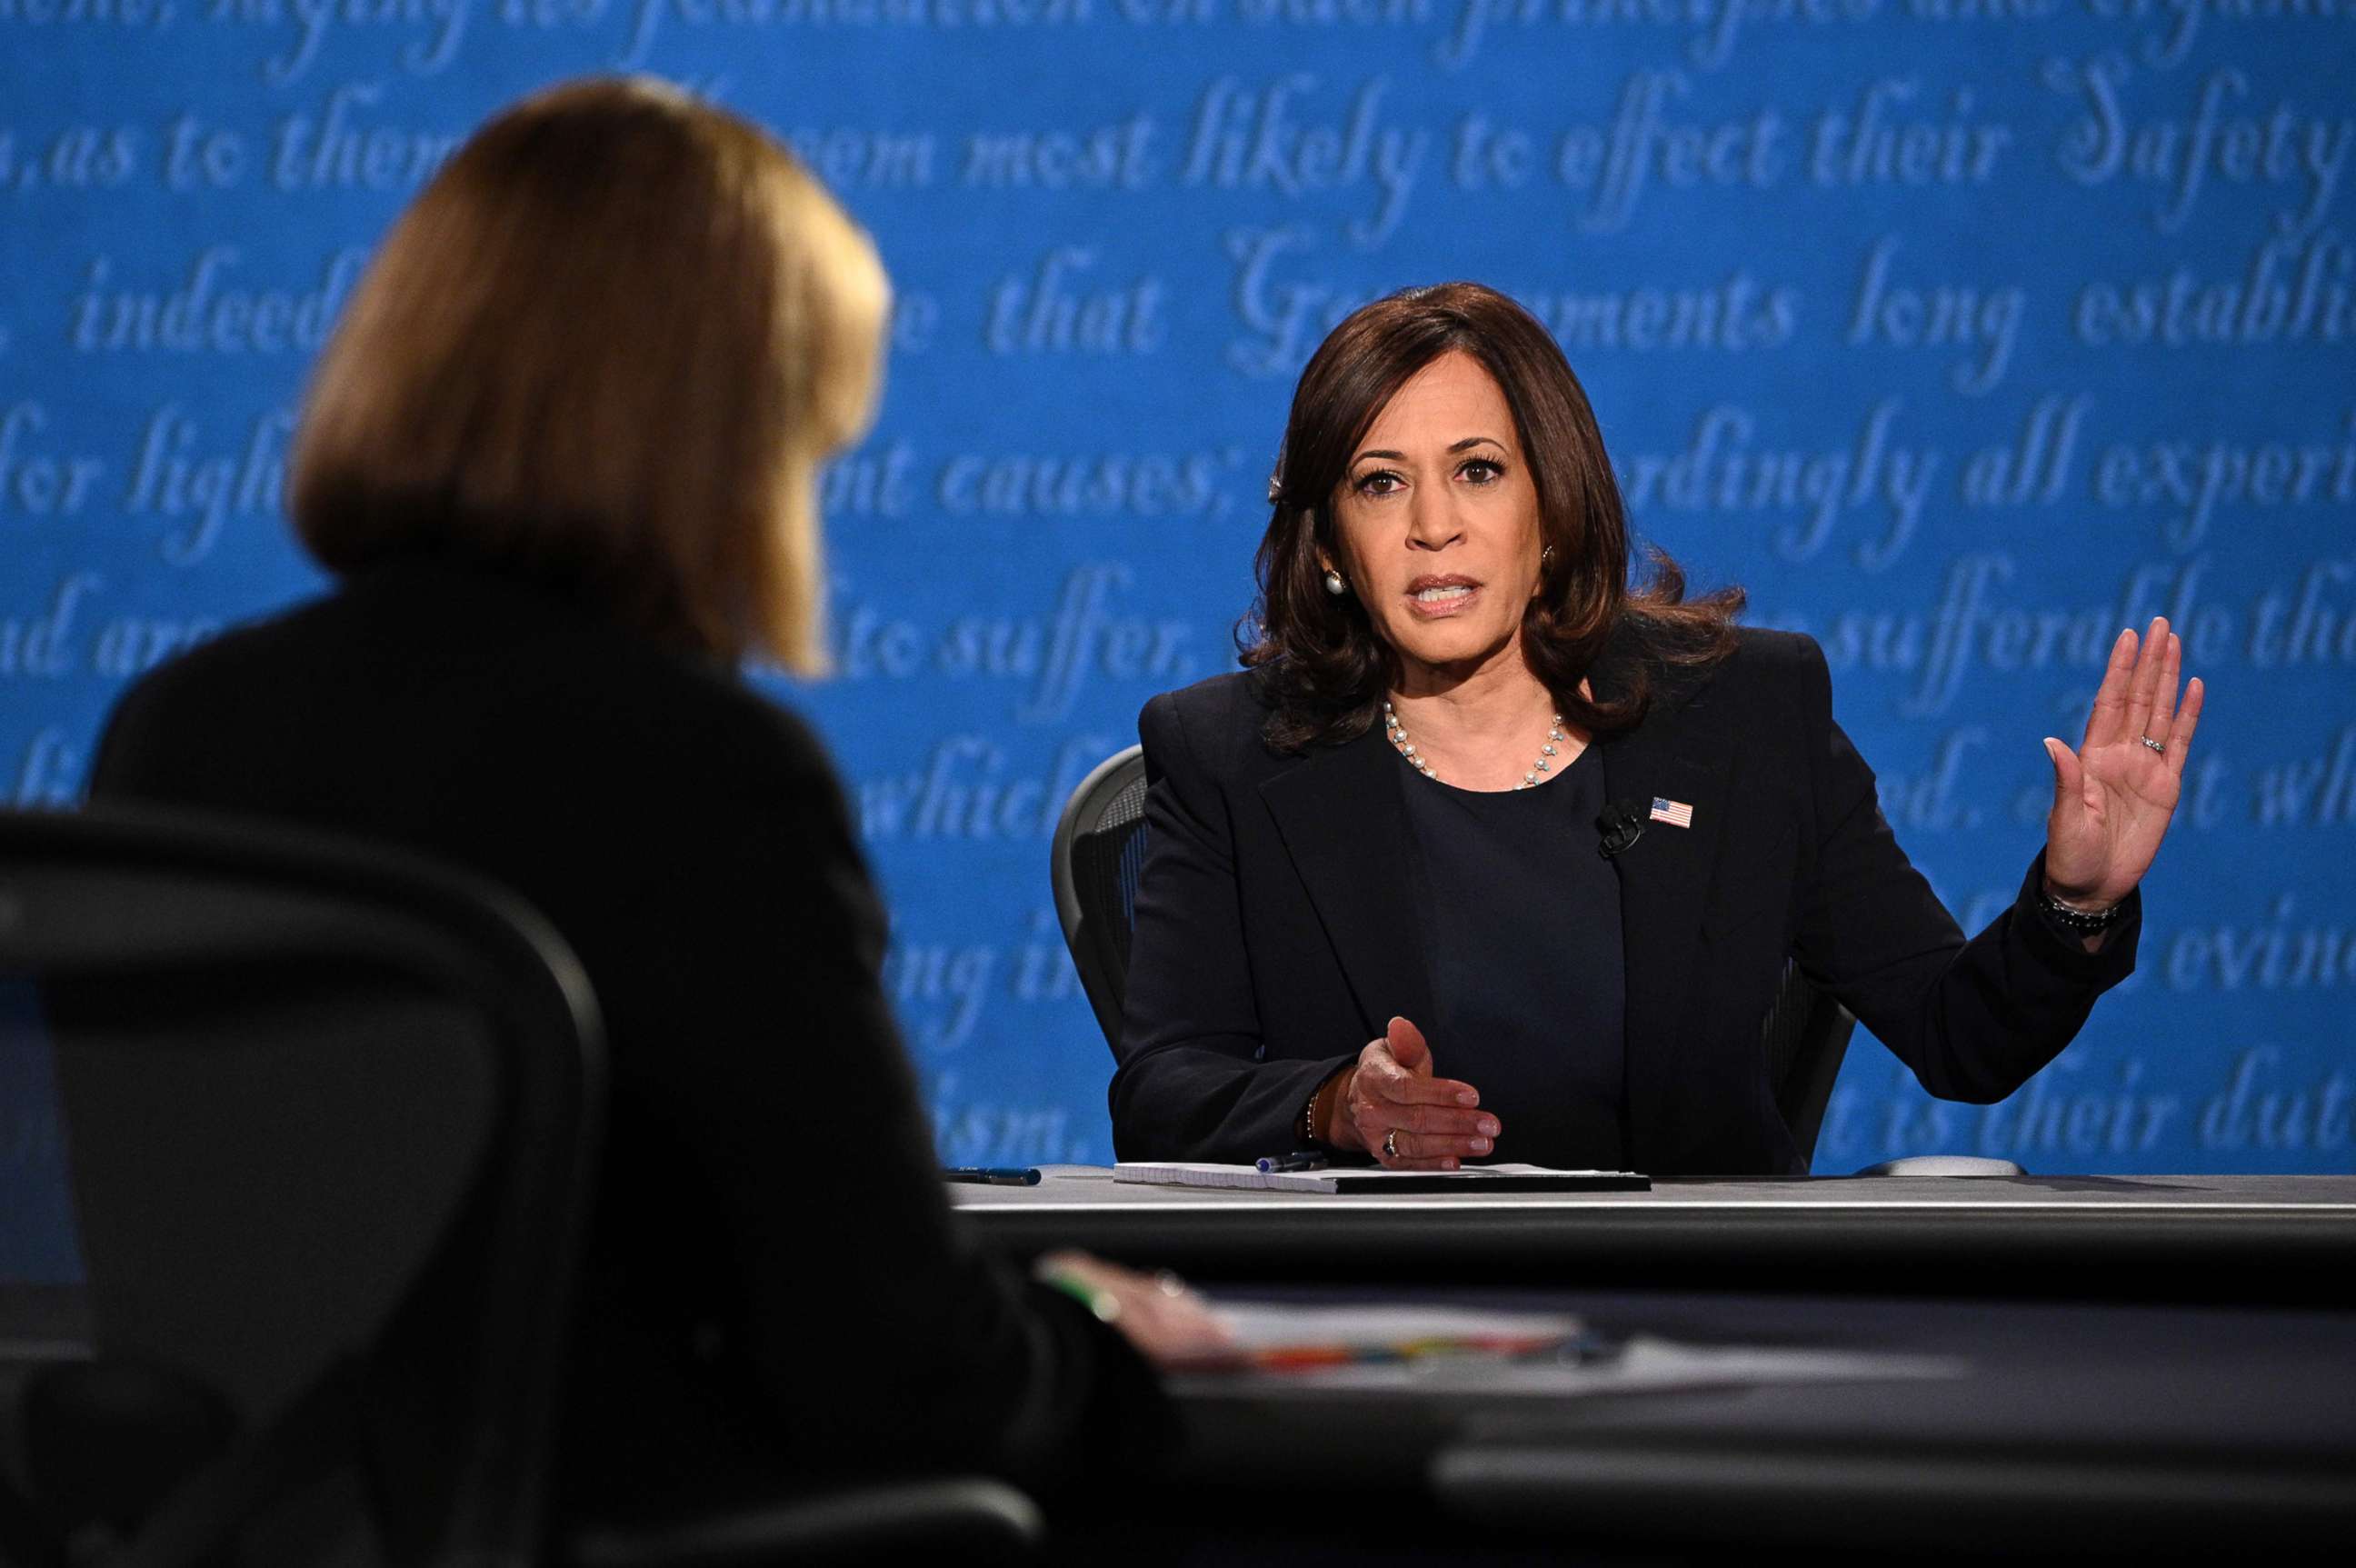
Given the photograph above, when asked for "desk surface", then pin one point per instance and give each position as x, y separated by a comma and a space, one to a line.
2235, 1238
2065, 1426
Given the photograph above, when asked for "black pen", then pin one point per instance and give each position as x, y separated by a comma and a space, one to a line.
1306, 1160
993, 1175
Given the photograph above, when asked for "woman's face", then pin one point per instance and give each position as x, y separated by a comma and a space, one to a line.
1438, 519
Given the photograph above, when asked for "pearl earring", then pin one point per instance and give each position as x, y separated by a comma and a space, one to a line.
1333, 584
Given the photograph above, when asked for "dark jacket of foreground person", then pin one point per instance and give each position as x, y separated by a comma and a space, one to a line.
773, 1286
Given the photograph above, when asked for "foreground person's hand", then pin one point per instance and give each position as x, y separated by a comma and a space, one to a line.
1164, 1318
1396, 1110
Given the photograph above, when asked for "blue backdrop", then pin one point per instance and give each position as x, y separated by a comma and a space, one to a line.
1964, 332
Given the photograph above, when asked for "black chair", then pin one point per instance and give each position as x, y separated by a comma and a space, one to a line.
1099, 845
331, 1116
330, 1119
1806, 1035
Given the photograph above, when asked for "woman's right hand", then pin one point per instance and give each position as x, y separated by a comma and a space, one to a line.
1159, 1314
1432, 1124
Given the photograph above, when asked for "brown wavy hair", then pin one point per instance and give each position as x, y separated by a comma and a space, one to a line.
1320, 658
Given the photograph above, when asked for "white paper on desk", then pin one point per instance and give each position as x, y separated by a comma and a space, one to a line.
1162, 1173
1647, 1364
1251, 1177
1282, 1326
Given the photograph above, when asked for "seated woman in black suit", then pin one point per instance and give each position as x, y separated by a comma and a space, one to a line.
1375, 852
561, 457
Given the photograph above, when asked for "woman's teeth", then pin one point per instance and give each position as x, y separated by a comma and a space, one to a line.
1440, 596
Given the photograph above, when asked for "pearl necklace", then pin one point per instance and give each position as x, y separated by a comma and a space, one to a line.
1397, 732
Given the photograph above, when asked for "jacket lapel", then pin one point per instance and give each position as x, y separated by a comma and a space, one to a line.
1343, 821
1664, 876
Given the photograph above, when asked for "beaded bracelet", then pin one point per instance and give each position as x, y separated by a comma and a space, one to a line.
1306, 1126
2083, 922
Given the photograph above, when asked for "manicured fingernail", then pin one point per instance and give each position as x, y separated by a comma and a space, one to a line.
1468, 1098
1479, 1145
1486, 1126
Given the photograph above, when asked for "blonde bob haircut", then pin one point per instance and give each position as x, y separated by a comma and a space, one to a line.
607, 347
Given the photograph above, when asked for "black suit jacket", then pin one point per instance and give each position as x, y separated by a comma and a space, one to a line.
773, 1282
1276, 934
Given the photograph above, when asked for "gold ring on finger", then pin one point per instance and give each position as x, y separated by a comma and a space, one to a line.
2158, 746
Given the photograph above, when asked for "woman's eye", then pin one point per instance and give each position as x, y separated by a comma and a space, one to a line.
1378, 483
1481, 471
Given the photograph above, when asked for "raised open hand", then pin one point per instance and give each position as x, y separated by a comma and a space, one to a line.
2114, 796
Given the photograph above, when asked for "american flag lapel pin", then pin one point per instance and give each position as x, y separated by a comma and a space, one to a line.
1676, 813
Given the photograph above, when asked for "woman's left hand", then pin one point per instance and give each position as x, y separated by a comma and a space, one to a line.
2114, 796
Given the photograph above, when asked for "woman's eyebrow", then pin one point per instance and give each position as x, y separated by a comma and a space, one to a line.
1401, 457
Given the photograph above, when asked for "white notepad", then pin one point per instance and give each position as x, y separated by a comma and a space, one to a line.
1376, 1178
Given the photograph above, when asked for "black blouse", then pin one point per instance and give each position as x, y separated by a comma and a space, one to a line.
1521, 926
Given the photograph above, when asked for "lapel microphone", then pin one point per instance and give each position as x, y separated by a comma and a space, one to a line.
1621, 823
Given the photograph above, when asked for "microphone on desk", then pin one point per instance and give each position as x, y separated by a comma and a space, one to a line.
1621, 823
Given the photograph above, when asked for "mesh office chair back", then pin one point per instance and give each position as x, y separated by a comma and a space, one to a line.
1100, 845
330, 1115
1805, 1036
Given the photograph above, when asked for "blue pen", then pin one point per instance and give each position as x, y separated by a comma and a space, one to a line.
1307, 1160
993, 1175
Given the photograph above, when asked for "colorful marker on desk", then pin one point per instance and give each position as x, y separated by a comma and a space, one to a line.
993, 1175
